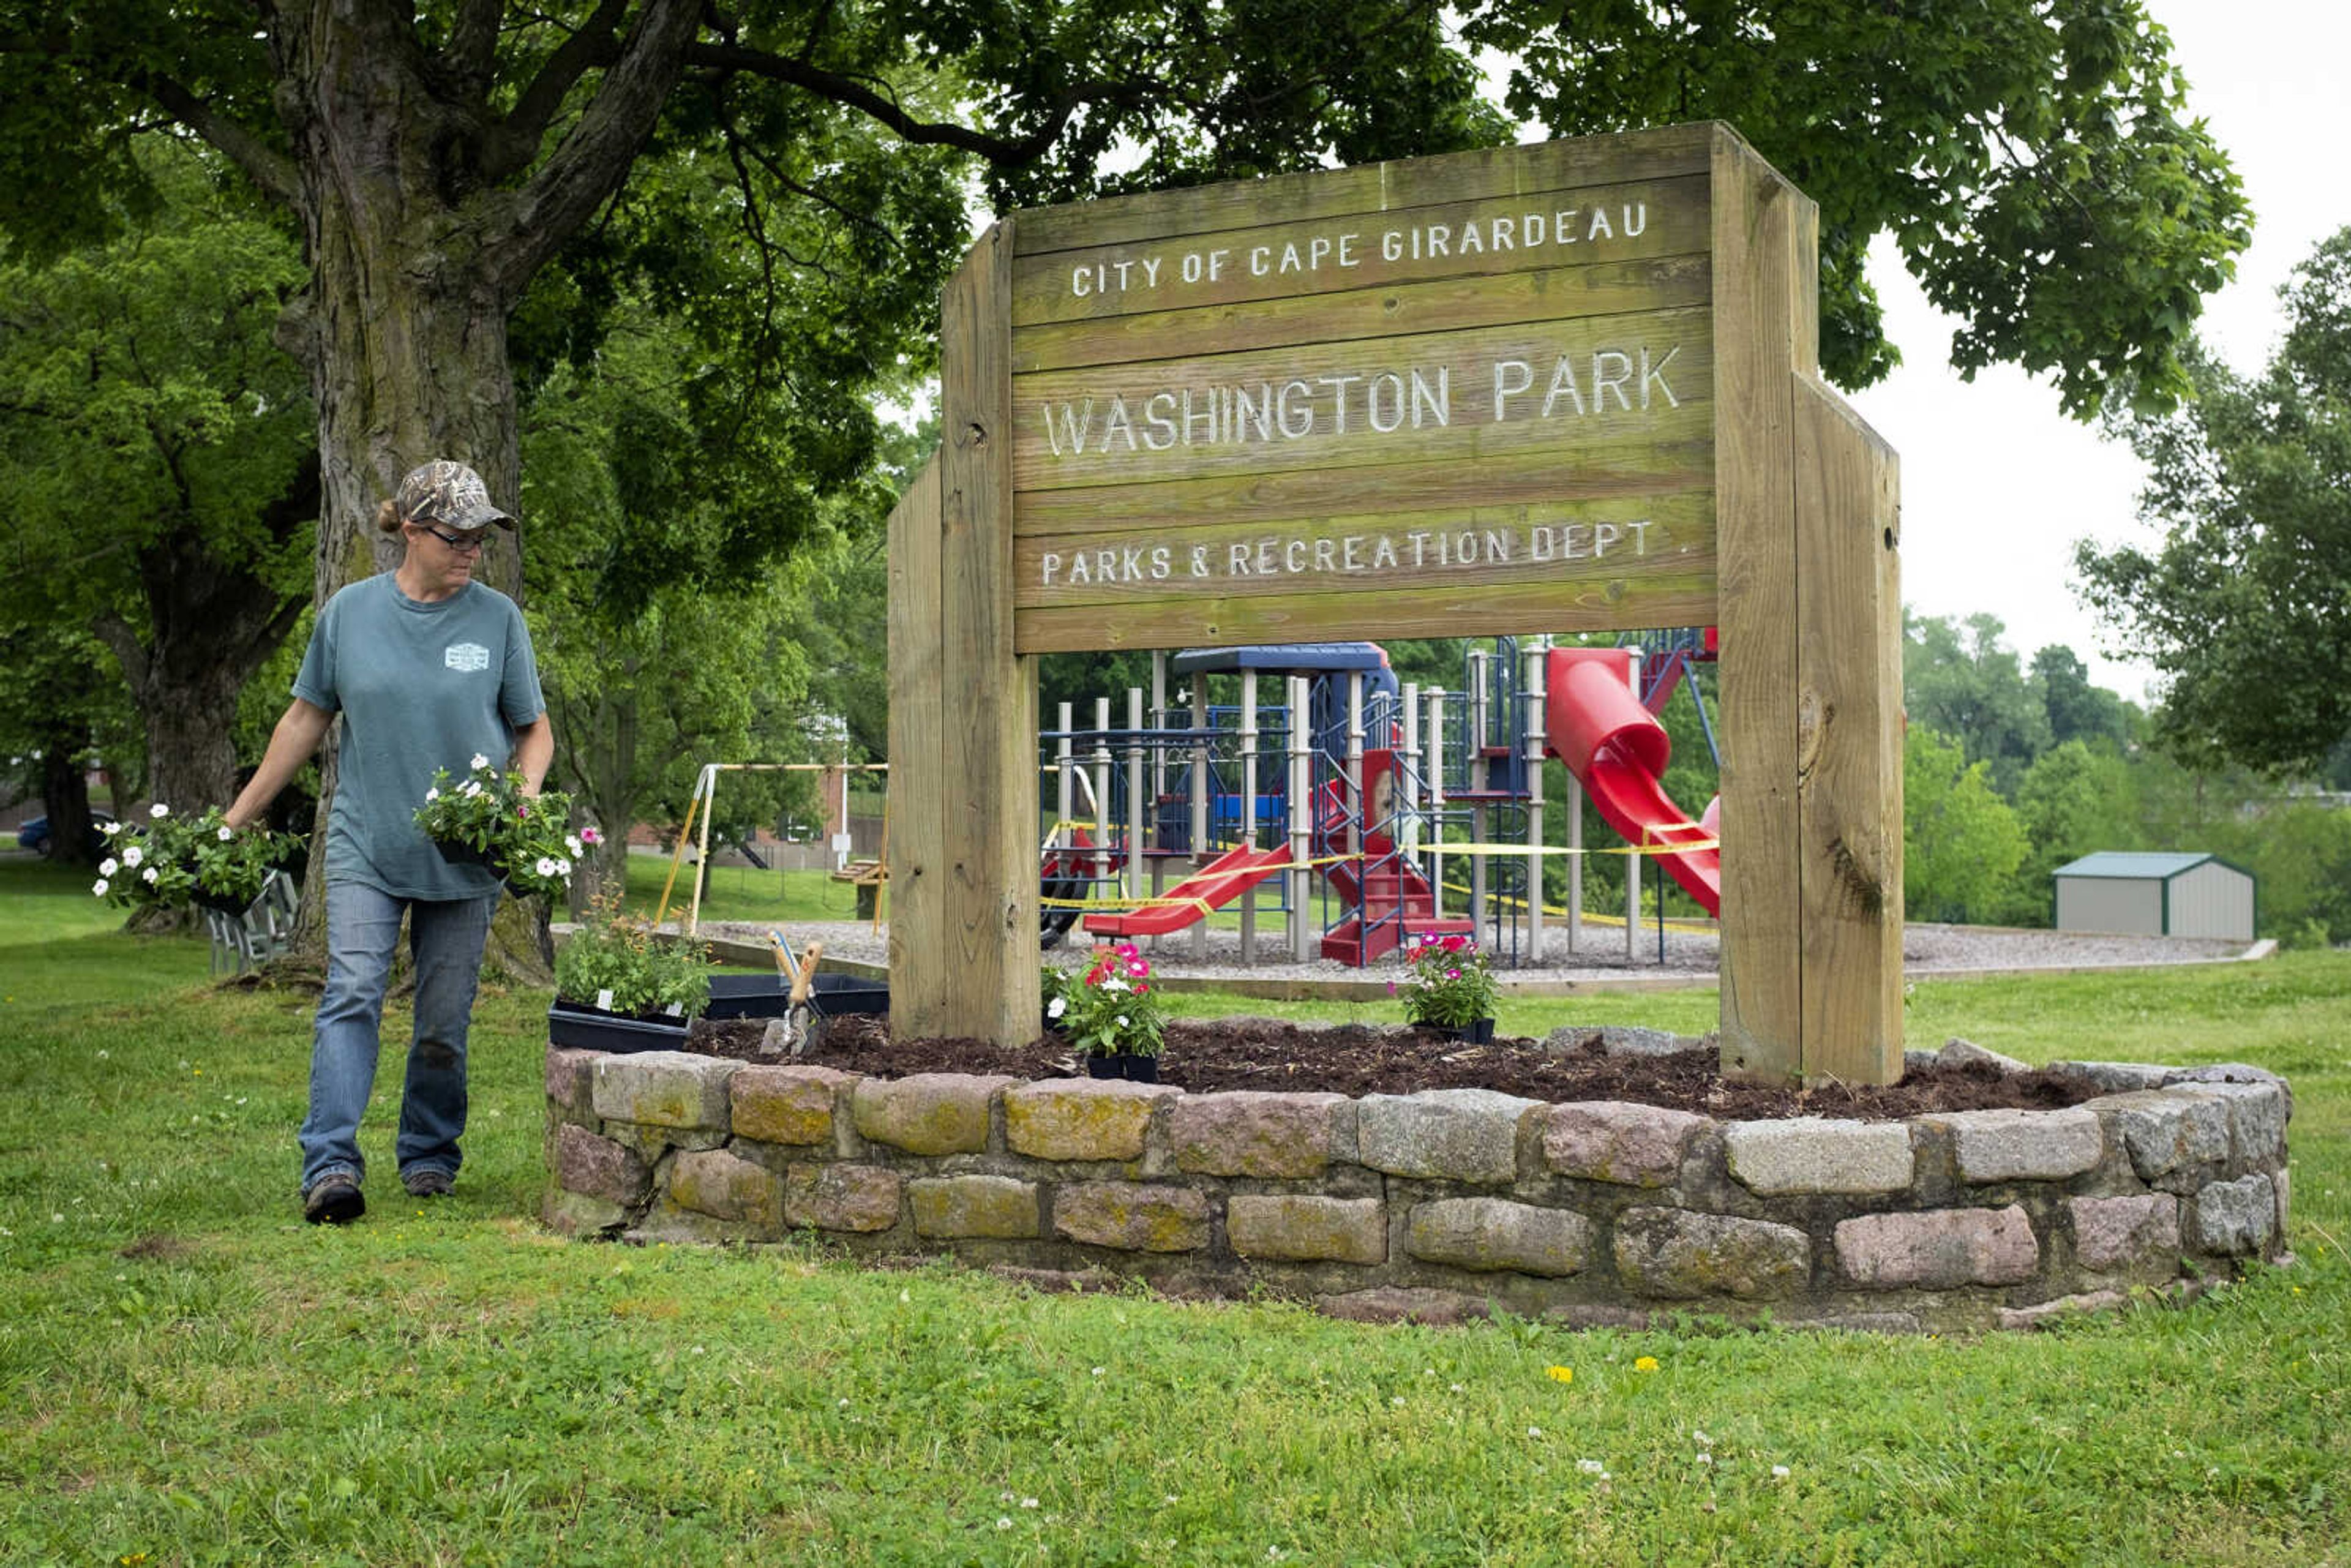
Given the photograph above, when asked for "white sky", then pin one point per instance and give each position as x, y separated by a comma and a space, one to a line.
1996, 483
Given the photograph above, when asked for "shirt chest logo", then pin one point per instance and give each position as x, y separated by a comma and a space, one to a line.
466, 656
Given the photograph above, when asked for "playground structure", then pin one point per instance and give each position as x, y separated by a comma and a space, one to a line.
1368, 788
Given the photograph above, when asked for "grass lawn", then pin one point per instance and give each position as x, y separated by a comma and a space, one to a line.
191, 1375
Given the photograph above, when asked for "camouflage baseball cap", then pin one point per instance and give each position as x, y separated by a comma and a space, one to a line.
449, 494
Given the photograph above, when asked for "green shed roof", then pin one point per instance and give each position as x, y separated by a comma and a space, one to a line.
2133, 864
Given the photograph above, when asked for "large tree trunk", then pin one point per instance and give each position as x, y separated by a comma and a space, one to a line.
65, 795
417, 257
213, 625
404, 330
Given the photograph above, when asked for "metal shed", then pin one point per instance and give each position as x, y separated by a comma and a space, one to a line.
2157, 895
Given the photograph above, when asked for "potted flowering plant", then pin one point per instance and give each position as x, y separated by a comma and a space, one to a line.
486, 819
1451, 986
1111, 1013
617, 987
169, 860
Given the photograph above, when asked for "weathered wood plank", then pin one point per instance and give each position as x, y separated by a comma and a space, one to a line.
1849, 700
1402, 309
1469, 547
918, 945
1283, 258
1463, 396
989, 879
1586, 606
1757, 255
1600, 471
1373, 187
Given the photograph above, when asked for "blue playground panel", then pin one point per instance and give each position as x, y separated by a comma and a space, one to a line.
1224, 820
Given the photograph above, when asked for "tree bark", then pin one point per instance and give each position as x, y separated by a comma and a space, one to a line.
65, 795
417, 257
213, 625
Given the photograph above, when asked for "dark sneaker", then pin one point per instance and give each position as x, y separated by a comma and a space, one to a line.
336, 1200
428, 1181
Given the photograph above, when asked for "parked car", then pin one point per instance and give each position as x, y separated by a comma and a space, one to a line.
35, 834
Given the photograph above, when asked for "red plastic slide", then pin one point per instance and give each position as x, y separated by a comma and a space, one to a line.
1617, 748
1213, 887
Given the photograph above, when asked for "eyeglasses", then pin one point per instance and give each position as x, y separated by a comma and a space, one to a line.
464, 544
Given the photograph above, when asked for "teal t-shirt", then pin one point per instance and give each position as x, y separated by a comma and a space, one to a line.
421, 687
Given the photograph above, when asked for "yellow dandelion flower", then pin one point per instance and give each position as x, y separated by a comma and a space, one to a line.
1645, 1363
1561, 1374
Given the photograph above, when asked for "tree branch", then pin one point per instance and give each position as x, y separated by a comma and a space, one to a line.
111, 628
514, 141
849, 91
472, 48
262, 164
594, 158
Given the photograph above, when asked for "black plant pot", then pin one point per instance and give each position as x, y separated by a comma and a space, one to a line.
221, 902
204, 897
1480, 1032
463, 854
1124, 1064
585, 1026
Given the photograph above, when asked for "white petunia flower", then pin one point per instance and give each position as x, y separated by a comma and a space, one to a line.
432, 794
1122, 1017
148, 875
1057, 1006
480, 760
108, 867
225, 835
159, 810
1115, 983
98, 887
473, 787
571, 843
545, 867
134, 855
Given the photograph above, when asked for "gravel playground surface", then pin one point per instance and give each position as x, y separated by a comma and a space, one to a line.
1599, 961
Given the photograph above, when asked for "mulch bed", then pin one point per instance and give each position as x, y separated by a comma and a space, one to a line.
1211, 1054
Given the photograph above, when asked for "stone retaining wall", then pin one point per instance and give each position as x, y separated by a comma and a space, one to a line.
1446, 1203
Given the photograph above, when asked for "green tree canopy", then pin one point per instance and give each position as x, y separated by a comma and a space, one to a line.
1960, 682
2078, 709
1960, 843
2245, 605
159, 455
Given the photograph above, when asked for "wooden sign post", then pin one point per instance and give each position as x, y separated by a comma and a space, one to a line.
1561, 388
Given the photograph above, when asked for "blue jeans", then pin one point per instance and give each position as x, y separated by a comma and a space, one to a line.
445, 938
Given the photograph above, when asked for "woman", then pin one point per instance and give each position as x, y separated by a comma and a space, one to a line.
428, 669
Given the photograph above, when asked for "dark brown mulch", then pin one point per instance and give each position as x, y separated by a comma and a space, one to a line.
1204, 1055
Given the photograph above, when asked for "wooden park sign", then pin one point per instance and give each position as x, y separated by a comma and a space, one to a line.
1558, 388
